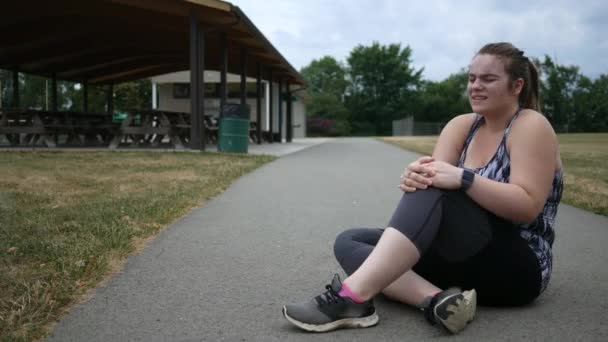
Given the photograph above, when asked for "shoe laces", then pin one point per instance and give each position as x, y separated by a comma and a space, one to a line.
329, 297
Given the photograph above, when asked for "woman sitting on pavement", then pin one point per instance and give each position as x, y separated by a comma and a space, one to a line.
476, 219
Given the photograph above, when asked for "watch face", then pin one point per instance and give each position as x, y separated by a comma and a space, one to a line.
467, 179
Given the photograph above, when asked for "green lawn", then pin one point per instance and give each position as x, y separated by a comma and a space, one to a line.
585, 159
68, 220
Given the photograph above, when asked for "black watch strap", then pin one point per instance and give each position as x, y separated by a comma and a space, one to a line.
467, 179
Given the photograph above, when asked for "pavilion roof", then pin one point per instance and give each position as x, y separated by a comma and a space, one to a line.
112, 41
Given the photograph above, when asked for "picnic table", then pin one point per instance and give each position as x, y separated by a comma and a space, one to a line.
153, 128
26, 127
150, 127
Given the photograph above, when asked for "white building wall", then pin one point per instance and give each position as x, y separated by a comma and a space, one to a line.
298, 115
167, 102
212, 105
299, 118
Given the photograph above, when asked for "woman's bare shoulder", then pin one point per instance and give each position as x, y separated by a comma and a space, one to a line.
531, 121
449, 145
462, 121
532, 129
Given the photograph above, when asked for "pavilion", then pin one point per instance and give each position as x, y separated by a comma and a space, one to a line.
105, 42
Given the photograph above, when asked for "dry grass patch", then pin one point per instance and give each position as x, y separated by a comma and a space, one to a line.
585, 159
67, 220
422, 144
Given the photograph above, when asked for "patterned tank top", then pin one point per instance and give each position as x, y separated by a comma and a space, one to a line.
540, 233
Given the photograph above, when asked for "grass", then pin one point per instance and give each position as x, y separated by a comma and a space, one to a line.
585, 160
68, 220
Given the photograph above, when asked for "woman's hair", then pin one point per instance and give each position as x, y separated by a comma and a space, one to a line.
517, 66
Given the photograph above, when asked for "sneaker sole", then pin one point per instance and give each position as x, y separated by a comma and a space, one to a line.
364, 322
462, 314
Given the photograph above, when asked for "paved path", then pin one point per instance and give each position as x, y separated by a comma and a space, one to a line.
223, 272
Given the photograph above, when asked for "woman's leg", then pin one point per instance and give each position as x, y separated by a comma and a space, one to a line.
352, 248
449, 220
394, 255
410, 232
504, 273
411, 289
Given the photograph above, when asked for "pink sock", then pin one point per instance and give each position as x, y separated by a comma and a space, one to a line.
346, 292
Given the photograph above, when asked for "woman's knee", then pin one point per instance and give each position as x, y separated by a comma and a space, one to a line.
352, 238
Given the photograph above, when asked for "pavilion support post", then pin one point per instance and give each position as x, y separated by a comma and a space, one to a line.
197, 100
270, 107
110, 99
289, 115
243, 76
16, 103
85, 96
223, 70
258, 102
46, 94
154, 96
54, 103
280, 95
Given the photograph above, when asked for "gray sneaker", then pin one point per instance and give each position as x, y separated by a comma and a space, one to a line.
329, 311
452, 308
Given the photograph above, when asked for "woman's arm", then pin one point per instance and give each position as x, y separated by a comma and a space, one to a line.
532, 146
448, 149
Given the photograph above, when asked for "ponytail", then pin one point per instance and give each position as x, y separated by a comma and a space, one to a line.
529, 96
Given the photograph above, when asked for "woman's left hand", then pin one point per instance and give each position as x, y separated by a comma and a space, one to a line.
447, 176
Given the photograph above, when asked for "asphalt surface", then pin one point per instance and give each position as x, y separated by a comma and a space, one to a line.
223, 272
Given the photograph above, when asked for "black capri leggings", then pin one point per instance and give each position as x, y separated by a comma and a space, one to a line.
461, 244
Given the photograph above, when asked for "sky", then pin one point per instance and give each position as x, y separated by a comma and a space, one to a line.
443, 35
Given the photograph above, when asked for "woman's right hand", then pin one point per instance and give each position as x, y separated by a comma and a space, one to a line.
417, 175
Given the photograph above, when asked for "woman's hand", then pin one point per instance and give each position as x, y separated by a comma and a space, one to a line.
445, 175
417, 175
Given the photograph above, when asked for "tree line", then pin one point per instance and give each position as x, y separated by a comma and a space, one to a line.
35, 93
377, 84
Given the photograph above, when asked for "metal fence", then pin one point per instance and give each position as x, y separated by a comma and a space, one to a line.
408, 127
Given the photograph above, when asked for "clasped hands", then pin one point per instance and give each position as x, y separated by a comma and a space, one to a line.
426, 171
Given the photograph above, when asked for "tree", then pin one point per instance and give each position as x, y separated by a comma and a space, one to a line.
599, 104
590, 102
74, 93
383, 87
325, 76
332, 113
35, 93
557, 90
326, 111
6, 91
32, 92
440, 101
133, 95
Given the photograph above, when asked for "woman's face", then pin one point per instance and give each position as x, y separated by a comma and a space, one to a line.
489, 87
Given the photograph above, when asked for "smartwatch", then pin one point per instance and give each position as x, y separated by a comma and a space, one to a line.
467, 179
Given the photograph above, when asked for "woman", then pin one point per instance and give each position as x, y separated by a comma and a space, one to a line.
478, 215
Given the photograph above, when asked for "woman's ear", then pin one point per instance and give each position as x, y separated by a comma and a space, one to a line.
518, 85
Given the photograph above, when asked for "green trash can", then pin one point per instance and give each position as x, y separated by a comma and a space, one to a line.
233, 135
118, 117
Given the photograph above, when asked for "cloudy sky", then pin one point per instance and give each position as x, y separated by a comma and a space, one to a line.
443, 34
